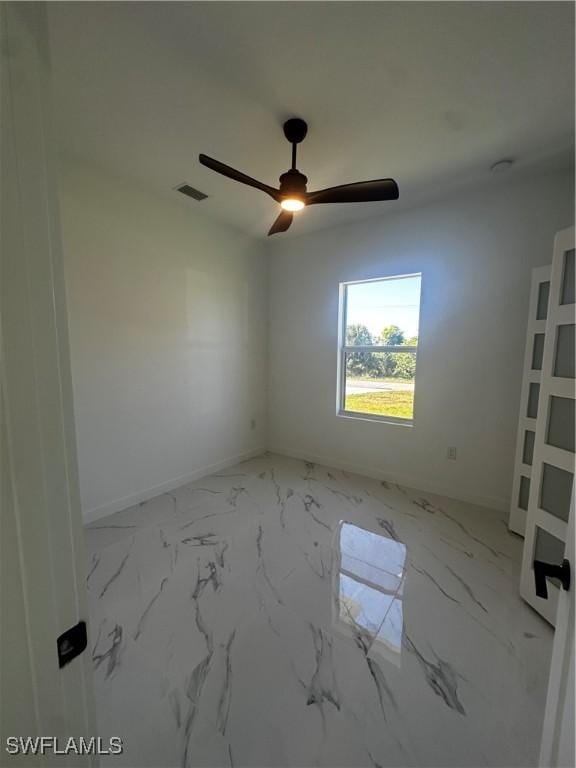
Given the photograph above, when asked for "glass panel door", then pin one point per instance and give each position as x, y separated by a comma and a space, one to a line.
551, 490
532, 373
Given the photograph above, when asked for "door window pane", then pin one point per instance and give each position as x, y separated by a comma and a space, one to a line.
533, 395
543, 296
524, 492
568, 278
564, 358
537, 351
528, 452
561, 423
556, 490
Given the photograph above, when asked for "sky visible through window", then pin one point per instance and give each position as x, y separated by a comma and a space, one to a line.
380, 303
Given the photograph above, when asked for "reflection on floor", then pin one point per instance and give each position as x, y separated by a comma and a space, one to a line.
370, 572
281, 613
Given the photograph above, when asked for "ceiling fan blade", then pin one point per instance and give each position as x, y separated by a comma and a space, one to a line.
359, 192
232, 173
282, 223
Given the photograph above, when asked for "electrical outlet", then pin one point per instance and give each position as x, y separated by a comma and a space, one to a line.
452, 453
253, 424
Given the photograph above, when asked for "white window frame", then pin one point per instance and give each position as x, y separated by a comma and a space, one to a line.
343, 349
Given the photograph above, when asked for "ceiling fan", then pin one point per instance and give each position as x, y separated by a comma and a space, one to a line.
292, 194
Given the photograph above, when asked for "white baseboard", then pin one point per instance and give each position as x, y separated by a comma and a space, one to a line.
90, 515
491, 502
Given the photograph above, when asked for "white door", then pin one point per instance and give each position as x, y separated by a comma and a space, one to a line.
42, 582
546, 581
552, 482
557, 748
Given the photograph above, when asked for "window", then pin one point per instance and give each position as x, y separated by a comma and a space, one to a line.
378, 345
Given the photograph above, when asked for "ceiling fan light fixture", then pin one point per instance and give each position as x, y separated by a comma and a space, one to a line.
292, 204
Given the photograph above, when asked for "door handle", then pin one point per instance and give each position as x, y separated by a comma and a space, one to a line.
543, 571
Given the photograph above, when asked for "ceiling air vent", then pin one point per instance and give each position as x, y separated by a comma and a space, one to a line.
189, 191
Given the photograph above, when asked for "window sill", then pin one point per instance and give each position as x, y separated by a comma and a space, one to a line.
375, 417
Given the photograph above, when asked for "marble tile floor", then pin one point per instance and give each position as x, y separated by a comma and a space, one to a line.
281, 613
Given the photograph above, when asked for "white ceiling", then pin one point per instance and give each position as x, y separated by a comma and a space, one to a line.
428, 93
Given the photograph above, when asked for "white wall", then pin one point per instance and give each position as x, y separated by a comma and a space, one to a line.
168, 324
167, 315
475, 253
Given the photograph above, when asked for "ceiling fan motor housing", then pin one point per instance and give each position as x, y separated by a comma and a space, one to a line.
293, 183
